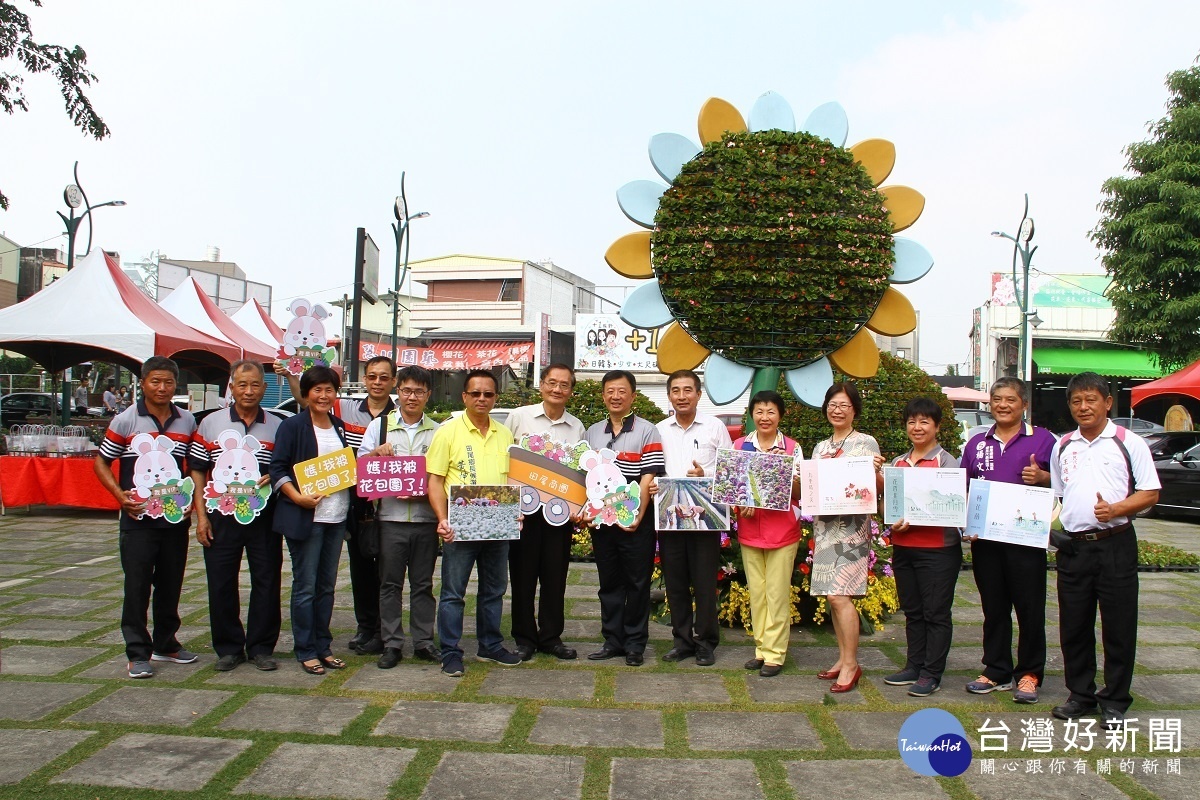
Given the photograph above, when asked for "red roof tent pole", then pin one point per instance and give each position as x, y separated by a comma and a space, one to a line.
1186, 382
170, 335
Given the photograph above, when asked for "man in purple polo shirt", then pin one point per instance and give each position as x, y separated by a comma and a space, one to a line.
1010, 576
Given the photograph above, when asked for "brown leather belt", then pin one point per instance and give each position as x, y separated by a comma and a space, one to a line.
1096, 534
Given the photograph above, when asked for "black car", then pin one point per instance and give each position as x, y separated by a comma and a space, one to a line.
1164, 444
16, 407
1180, 478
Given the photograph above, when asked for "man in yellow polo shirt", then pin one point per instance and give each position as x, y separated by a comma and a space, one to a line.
470, 449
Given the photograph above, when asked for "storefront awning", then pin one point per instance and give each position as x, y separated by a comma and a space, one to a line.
1113, 363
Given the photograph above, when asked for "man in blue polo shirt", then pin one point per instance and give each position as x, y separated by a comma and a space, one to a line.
234, 446
150, 438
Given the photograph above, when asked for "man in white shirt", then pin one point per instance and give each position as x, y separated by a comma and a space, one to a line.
543, 553
1105, 476
691, 557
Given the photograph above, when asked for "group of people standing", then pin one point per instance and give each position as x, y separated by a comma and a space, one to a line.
1103, 474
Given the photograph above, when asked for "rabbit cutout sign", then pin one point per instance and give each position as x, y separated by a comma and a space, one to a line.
611, 501
157, 479
234, 488
305, 344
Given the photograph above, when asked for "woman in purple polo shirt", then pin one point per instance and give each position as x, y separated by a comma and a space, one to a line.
1010, 576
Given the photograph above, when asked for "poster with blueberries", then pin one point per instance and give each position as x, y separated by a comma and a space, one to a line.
484, 513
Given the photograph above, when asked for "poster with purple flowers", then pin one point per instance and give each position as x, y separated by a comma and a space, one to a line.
752, 478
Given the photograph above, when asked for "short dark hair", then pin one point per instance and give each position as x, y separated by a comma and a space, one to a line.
1088, 381
156, 363
246, 363
683, 373
616, 375
416, 375
847, 388
1014, 383
481, 373
315, 376
768, 396
546, 371
379, 360
923, 407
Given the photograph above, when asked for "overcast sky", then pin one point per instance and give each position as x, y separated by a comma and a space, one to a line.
274, 129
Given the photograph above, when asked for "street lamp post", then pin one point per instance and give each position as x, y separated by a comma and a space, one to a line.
400, 229
74, 197
1022, 249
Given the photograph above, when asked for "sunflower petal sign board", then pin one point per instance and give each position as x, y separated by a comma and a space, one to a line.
1010, 512
925, 496
685, 504
305, 344
753, 479
769, 249
838, 486
484, 513
327, 474
391, 476
233, 488
546, 482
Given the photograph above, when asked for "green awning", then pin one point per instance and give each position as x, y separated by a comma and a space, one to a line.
1113, 363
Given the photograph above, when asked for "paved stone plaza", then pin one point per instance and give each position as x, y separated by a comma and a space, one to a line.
72, 725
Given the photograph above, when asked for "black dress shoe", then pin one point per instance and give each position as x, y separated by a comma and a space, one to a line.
754, 663
428, 654
391, 657
705, 658
1114, 718
371, 647
677, 654
562, 652
524, 652
633, 659
770, 670
1072, 709
229, 662
605, 653
356, 641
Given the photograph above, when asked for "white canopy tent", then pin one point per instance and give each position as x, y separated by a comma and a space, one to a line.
189, 303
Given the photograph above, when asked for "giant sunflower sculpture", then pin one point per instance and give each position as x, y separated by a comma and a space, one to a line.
772, 250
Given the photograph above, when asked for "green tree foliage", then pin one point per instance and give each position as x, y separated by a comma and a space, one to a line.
1149, 232
587, 404
65, 63
884, 397
517, 395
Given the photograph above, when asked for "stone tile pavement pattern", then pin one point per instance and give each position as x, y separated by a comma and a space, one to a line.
71, 721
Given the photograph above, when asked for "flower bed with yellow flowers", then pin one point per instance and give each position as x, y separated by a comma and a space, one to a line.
734, 606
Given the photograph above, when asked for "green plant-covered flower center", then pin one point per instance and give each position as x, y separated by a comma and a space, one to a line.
772, 248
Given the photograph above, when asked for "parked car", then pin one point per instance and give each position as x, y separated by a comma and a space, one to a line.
972, 420
1180, 477
734, 423
16, 407
1164, 444
1139, 426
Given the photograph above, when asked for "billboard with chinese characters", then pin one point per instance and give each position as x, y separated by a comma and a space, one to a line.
604, 342
1054, 291
454, 355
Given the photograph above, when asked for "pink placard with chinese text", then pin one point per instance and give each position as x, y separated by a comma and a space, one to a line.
391, 476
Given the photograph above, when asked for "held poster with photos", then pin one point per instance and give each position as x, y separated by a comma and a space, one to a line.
753, 478
685, 504
838, 486
925, 496
484, 512
1010, 512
